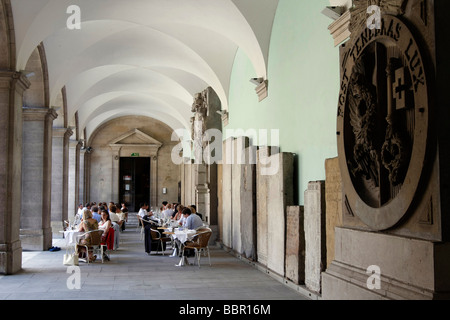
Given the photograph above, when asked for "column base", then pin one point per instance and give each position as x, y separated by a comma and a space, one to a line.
410, 269
36, 240
10, 258
57, 226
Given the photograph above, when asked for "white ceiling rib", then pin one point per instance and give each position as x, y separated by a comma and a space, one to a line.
142, 57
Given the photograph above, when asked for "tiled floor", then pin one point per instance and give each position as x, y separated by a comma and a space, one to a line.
132, 274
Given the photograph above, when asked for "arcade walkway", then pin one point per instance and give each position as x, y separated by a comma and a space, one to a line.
132, 274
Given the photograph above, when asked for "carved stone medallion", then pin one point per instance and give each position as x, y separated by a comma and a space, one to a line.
383, 119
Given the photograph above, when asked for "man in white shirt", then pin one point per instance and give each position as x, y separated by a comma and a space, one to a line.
167, 214
80, 210
143, 210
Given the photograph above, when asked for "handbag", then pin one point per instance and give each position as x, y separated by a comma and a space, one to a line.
70, 259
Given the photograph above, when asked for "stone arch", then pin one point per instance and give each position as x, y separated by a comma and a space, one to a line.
36, 72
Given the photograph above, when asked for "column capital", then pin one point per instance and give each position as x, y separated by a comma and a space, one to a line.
59, 132
9, 79
73, 143
38, 114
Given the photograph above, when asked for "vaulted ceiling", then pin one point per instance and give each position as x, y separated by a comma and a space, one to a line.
141, 57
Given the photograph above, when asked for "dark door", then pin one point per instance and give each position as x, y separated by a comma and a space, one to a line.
134, 185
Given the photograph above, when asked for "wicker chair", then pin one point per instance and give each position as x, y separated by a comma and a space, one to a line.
157, 237
95, 243
200, 244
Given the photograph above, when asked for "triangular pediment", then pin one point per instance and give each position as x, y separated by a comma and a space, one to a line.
135, 137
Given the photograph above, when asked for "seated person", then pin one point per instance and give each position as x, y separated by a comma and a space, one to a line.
97, 216
142, 211
124, 209
87, 224
149, 223
105, 225
168, 212
193, 221
124, 217
114, 216
148, 219
194, 210
178, 214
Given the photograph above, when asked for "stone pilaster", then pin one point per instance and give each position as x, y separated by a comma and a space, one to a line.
72, 179
12, 87
82, 177
154, 201
35, 233
115, 167
60, 168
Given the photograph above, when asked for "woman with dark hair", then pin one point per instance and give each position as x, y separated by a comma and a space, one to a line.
105, 224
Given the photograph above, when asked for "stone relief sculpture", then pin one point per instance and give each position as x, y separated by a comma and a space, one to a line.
373, 113
200, 110
383, 119
362, 104
395, 151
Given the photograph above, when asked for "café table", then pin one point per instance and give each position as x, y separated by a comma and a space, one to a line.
70, 237
183, 236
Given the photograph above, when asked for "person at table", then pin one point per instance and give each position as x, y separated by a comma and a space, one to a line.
149, 219
124, 209
168, 212
80, 210
149, 223
96, 215
193, 221
105, 225
87, 224
194, 210
179, 214
189, 221
143, 210
124, 217
114, 216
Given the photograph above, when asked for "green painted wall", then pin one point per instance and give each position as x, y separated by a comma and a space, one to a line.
303, 74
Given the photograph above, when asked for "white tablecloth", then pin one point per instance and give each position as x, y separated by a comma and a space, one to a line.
71, 237
185, 235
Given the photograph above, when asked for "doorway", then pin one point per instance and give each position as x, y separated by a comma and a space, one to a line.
134, 182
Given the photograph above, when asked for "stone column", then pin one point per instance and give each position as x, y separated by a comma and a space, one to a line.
115, 167
202, 192
87, 176
211, 214
59, 209
81, 177
154, 181
12, 87
72, 179
35, 219
227, 212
